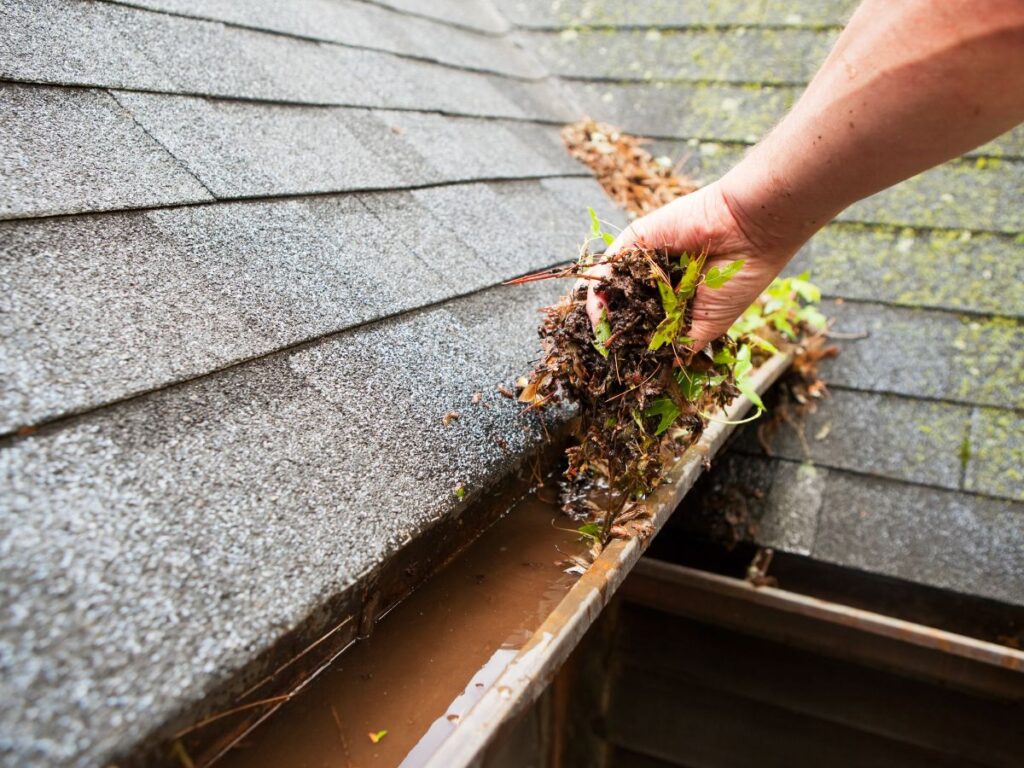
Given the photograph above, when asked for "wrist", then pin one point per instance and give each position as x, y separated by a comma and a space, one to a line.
768, 207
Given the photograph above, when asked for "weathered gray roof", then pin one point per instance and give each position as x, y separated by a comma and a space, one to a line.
250, 257
918, 455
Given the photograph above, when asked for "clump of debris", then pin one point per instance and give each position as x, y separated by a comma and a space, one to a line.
644, 394
630, 176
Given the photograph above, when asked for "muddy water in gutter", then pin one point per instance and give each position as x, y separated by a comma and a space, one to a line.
430, 659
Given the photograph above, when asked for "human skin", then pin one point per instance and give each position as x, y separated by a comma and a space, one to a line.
908, 85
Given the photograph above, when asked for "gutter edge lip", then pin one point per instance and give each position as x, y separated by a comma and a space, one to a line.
538, 660
856, 619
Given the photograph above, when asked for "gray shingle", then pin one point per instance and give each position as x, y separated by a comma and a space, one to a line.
944, 538
246, 149
97, 43
578, 195
996, 454
142, 548
508, 242
682, 13
472, 14
414, 229
239, 149
99, 308
464, 148
70, 150
791, 508
718, 112
957, 195
103, 306
883, 435
702, 111
733, 55
562, 228
954, 270
365, 25
923, 353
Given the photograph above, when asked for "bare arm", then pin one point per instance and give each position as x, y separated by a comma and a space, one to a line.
908, 85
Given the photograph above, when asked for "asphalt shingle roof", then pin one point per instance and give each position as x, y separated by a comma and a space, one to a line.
251, 257
916, 472
249, 262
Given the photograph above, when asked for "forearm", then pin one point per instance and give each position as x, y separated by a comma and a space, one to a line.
908, 85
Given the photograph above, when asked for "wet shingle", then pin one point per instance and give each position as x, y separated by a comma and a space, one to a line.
733, 55
178, 507
994, 455
897, 437
946, 269
71, 150
924, 353
97, 43
946, 539
364, 25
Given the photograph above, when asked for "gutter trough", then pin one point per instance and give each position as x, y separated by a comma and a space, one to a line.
537, 662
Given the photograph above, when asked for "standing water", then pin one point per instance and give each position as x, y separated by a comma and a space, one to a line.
430, 659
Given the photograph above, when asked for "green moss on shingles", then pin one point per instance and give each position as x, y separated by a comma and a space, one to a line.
989, 358
937, 268
733, 55
953, 195
997, 454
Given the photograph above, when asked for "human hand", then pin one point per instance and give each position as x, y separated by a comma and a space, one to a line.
705, 221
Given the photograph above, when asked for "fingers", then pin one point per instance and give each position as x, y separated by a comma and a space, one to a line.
596, 305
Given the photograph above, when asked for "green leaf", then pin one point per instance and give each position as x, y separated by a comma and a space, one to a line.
719, 276
602, 332
782, 324
608, 238
812, 316
691, 383
724, 357
745, 387
595, 223
807, 290
590, 530
665, 409
749, 321
691, 274
764, 344
669, 302
665, 332
460, 492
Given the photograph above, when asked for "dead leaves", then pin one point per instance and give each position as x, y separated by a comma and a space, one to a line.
629, 174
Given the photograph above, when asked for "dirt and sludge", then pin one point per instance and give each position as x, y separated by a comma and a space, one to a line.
393, 698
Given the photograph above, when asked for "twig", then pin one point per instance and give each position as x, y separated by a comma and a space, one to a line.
847, 336
341, 737
228, 713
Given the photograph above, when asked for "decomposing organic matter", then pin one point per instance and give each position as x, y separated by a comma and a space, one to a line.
642, 392
631, 177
